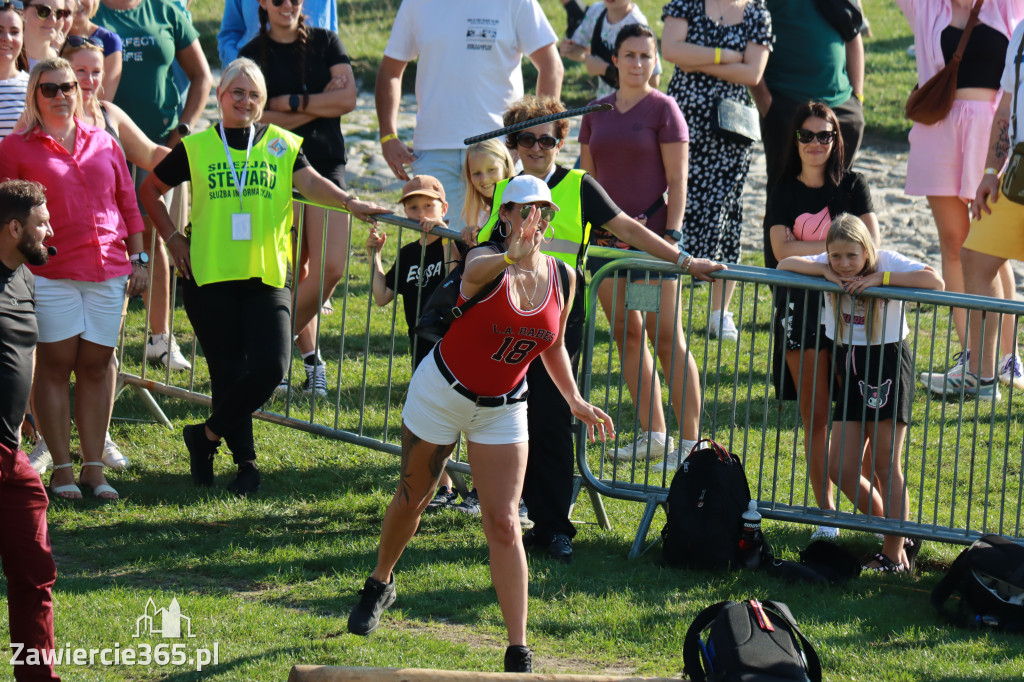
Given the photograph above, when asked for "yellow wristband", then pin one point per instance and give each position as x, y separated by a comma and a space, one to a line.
885, 278
718, 55
388, 138
991, 171
859, 96
507, 259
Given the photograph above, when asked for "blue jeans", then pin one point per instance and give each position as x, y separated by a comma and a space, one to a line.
446, 166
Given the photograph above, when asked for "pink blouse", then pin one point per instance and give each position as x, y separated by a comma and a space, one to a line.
929, 17
90, 197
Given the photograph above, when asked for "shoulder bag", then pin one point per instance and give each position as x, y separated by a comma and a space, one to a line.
931, 102
1013, 177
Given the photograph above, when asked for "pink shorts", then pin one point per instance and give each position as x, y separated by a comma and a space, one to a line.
947, 159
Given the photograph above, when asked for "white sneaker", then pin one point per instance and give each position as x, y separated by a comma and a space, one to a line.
316, 379
40, 457
639, 446
158, 349
1011, 371
722, 325
957, 369
112, 456
825, 533
675, 458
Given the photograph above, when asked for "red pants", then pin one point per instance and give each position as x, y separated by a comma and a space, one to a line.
27, 562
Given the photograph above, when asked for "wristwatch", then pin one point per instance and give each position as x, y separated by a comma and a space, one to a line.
184, 129
674, 234
293, 102
142, 258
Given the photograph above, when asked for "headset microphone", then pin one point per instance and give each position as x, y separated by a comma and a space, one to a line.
51, 250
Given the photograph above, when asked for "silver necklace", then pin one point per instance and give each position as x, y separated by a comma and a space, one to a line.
522, 285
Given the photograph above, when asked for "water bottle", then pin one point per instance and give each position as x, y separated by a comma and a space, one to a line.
748, 554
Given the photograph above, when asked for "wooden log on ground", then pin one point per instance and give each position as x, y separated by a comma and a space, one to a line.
326, 673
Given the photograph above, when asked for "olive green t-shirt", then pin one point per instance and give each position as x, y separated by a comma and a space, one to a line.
808, 60
151, 34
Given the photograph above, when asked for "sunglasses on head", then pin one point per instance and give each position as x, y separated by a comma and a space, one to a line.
78, 41
278, 3
527, 140
546, 213
805, 136
44, 12
11, 4
49, 90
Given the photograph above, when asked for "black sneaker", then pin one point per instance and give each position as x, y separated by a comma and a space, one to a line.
200, 453
373, 599
443, 498
518, 659
246, 481
560, 548
470, 503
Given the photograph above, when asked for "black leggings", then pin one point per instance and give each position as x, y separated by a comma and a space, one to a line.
243, 328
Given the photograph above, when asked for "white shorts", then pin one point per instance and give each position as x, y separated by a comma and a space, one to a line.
66, 308
437, 413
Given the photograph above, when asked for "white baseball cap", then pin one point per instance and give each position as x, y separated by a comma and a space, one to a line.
526, 189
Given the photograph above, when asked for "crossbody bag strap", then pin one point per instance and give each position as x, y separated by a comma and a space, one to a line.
1016, 85
972, 21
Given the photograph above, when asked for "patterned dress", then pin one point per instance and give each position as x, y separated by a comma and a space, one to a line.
718, 167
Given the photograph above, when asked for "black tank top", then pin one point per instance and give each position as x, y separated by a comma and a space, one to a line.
109, 128
982, 64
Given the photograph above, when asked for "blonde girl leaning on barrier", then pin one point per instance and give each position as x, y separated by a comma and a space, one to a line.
237, 259
874, 373
475, 383
310, 85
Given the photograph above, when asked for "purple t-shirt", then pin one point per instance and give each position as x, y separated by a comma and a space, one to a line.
626, 152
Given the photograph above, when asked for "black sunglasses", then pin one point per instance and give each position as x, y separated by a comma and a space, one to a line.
546, 213
44, 12
11, 4
278, 3
804, 136
527, 140
49, 90
78, 41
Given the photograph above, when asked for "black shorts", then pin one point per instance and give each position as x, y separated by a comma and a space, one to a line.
798, 312
330, 169
873, 383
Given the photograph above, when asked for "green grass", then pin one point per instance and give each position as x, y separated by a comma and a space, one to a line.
271, 579
364, 26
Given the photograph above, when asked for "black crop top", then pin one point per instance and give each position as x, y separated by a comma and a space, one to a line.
982, 64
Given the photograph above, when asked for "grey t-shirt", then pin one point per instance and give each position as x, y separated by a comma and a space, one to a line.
18, 334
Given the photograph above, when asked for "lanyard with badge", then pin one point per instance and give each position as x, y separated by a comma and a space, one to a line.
241, 222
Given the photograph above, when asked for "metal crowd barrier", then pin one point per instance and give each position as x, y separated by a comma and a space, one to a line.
962, 458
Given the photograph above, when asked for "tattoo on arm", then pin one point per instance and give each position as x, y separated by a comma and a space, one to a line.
1002, 145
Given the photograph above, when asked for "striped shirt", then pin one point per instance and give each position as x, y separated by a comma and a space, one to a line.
12, 102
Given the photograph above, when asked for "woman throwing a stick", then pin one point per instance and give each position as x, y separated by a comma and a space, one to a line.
474, 382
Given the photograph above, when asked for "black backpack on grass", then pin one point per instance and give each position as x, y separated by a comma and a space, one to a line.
989, 575
748, 641
708, 495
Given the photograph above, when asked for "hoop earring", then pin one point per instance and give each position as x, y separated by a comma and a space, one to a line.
547, 239
507, 232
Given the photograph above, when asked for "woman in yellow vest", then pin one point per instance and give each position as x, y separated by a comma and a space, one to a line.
236, 259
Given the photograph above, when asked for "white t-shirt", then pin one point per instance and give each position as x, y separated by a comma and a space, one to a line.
891, 325
470, 55
1009, 79
609, 32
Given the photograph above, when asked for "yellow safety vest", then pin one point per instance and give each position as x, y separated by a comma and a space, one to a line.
267, 198
571, 237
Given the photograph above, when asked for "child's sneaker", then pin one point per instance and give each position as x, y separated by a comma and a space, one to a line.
954, 383
675, 458
443, 498
959, 361
163, 348
825, 533
40, 457
470, 503
1011, 371
657, 442
721, 325
316, 380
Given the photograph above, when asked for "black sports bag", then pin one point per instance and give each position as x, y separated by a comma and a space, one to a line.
748, 641
989, 575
